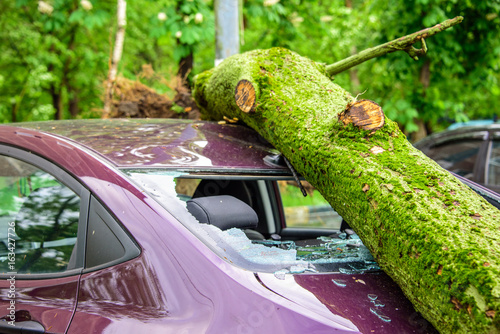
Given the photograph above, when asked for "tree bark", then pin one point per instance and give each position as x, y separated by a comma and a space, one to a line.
57, 101
425, 80
353, 73
74, 109
185, 67
66, 76
433, 235
116, 57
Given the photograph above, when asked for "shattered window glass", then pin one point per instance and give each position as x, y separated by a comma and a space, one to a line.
263, 250
335, 253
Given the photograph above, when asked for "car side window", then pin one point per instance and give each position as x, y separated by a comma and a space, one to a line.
107, 242
312, 211
38, 220
458, 157
494, 164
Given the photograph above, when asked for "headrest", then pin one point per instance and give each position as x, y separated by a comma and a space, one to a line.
223, 211
215, 187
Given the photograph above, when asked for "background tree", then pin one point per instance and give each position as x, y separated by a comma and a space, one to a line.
56, 52
52, 61
189, 23
121, 22
456, 82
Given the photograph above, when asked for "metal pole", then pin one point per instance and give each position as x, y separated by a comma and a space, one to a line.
227, 39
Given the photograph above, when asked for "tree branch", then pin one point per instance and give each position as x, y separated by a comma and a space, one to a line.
404, 43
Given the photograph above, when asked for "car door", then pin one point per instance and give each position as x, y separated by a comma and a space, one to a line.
303, 217
463, 154
43, 215
116, 282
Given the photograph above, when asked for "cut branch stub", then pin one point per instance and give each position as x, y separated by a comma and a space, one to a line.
245, 96
364, 114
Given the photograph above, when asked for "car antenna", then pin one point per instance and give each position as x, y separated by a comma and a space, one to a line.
295, 176
276, 160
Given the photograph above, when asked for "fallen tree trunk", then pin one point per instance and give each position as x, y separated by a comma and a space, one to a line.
433, 235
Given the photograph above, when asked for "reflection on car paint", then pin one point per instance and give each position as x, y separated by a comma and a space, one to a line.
378, 303
169, 142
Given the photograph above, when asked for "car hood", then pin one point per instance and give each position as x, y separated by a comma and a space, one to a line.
367, 302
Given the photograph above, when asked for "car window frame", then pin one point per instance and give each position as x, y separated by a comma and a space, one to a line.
69, 181
88, 202
481, 163
130, 245
482, 137
494, 136
279, 216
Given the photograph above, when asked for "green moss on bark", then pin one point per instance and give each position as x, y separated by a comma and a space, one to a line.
435, 237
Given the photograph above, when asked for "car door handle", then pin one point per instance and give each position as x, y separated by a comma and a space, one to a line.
23, 327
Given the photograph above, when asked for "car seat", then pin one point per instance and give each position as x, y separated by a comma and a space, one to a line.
225, 212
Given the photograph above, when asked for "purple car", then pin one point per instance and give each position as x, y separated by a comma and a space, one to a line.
170, 226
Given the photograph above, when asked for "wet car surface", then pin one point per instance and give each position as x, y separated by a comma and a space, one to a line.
145, 226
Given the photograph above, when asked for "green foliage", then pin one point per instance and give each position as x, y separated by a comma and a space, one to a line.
324, 32
188, 22
52, 59
462, 63
177, 108
56, 57
271, 23
293, 197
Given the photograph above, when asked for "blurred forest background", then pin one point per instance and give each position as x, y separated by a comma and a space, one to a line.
55, 54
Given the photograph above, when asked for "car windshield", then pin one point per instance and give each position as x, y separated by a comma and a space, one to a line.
294, 234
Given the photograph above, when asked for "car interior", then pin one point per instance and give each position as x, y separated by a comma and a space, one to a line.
273, 212
264, 198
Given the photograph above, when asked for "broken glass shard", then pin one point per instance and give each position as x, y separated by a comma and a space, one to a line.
281, 274
340, 282
380, 315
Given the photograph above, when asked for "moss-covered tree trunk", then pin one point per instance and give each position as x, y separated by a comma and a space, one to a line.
433, 235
